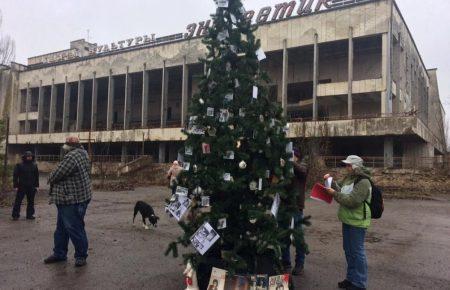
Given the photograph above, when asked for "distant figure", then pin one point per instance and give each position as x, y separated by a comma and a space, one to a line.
70, 191
298, 184
26, 182
172, 175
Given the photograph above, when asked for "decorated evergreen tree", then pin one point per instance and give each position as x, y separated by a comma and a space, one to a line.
237, 158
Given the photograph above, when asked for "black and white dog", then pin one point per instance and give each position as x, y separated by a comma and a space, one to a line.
146, 211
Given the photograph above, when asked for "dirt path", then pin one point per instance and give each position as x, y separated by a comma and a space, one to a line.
407, 249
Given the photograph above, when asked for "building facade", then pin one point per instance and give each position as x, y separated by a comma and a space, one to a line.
348, 71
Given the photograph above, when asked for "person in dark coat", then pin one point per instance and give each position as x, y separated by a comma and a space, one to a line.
26, 182
298, 184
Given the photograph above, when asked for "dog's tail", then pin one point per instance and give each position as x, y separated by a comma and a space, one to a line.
136, 209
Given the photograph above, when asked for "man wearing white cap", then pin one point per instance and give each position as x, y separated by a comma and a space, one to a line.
70, 191
353, 194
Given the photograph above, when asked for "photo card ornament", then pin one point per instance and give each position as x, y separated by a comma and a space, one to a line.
179, 206
260, 54
227, 176
206, 148
205, 201
210, 112
224, 115
233, 18
229, 97
228, 66
255, 92
222, 3
188, 150
223, 35
180, 157
242, 112
253, 186
233, 48
229, 155
204, 238
186, 166
236, 83
275, 205
222, 224
181, 191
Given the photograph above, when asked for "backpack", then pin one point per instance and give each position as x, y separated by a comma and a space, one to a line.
376, 204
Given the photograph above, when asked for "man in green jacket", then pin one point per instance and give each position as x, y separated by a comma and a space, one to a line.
353, 194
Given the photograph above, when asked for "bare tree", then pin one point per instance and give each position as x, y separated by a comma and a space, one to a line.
7, 47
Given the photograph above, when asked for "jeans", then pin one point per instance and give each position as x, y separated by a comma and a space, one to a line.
70, 224
299, 250
355, 255
21, 193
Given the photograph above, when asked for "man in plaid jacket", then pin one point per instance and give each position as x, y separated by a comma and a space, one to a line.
70, 191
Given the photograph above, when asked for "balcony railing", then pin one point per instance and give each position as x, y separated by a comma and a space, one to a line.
94, 158
295, 116
395, 162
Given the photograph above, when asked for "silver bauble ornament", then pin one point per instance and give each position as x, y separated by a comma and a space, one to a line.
242, 164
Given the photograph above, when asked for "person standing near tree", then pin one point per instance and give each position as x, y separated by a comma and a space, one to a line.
298, 185
71, 192
172, 175
26, 182
353, 194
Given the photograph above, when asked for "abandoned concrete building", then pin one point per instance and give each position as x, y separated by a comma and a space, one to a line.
350, 73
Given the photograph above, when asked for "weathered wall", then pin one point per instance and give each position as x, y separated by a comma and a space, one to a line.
408, 70
436, 113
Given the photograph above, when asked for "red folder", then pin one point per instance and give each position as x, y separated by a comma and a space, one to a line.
319, 192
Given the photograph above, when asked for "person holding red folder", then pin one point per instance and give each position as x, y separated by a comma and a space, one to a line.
353, 194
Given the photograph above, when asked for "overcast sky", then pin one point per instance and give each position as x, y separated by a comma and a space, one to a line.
43, 26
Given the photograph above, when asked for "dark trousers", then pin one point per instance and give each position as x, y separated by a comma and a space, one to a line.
299, 250
21, 193
70, 225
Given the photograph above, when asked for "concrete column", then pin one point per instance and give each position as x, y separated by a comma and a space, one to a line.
123, 157
27, 108
315, 76
145, 80
386, 95
80, 104
94, 103
165, 87
162, 152
388, 152
66, 105
284, 78
350, 73
52, 117
110, 107
40, 120
127, 102
184, 93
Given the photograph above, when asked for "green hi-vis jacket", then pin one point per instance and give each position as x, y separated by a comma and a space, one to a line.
351, 197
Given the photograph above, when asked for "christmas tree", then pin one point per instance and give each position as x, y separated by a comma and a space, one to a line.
237, 158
